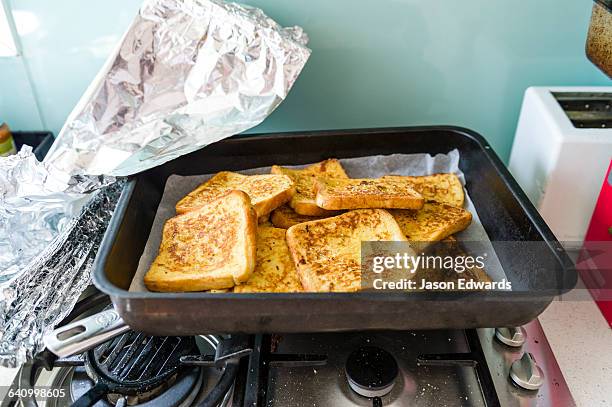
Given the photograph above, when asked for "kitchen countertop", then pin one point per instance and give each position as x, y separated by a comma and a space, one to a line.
581, 340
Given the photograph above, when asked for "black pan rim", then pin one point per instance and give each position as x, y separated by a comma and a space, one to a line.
101, 282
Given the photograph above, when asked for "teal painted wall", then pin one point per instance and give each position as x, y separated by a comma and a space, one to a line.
374, 62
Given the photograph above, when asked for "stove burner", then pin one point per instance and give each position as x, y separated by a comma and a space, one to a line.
134, 367
371, 371
183, 391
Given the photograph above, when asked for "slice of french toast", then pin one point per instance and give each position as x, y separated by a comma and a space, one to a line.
443, 188
362, 193
303, 202
274, 269
434, 222
267, 191
212, 247
327, 252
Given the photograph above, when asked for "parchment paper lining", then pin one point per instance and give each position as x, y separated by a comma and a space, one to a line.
361, 167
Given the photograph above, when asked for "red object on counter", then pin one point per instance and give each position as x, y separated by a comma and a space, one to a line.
595, 261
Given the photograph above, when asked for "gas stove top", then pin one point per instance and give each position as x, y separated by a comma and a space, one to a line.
483, 367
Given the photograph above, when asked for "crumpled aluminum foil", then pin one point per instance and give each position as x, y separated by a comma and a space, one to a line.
45, 292
36, 204
188, 73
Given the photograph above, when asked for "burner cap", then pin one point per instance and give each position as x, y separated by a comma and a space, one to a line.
371, 371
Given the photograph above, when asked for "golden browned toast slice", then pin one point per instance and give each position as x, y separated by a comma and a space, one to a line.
303, 202
327, 252
443, 188
285, 217
434, 222
274, 269
359, 193
267, 191
209, 248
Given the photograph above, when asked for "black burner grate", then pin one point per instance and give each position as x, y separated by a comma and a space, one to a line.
134, 364
134, 358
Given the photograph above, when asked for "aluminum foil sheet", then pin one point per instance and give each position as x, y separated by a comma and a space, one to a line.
47, 289
187, 73
37, 202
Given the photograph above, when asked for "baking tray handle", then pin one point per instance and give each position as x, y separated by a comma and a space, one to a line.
82, 335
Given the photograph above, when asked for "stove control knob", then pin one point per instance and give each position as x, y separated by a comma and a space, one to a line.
514, 337
525, 372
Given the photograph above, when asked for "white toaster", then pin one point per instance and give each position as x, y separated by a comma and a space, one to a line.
561, 151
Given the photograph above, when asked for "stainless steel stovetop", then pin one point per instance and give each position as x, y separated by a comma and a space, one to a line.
436, 368
484, 367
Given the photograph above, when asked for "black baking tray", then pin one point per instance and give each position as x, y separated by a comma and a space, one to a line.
537, 274
40, 141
